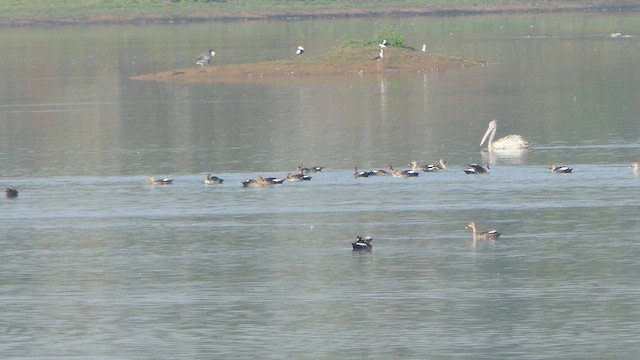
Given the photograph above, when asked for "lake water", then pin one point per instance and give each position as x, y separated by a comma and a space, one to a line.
97, 264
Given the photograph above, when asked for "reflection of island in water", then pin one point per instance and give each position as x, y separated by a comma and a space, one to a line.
345, 60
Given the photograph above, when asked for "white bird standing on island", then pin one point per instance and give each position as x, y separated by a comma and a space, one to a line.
380, 55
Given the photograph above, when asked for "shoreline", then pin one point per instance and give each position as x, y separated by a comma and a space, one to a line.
456, 10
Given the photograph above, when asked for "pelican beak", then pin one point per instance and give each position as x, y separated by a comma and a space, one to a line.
492, 127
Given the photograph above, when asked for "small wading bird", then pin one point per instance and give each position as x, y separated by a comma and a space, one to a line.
424, 48
205, 58
475, 169
300, 50
212, 180
362, 243
11, 192
164, 181
509, 142
560, 169
380, 55
482, 235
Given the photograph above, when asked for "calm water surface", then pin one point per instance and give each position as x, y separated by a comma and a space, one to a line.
97, 264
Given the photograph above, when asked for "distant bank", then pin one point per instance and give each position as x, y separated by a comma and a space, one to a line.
46, 12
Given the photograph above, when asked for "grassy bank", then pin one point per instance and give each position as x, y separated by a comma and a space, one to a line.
14, 12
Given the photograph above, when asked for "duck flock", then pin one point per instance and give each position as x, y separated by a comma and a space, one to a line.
363, 243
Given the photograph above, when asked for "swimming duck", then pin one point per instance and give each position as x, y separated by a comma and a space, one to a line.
153, 181
441, 167
475, 169
560, 169
482, 235
415, 167
260, 182
273, 180
405, 173
361, 174
636, 167
381, 172
317, 168
362, 243
11, 192
212, 180
297, 177
302, 170
252, 183
430, 167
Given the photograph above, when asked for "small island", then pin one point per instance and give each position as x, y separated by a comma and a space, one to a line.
353, 57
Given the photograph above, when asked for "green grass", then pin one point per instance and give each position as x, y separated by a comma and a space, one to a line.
393, 36
56, 9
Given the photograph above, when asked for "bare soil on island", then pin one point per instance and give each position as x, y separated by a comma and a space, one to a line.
343, 61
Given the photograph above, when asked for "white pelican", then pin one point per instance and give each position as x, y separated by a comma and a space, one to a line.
205, 58
560, 169
508, 142
482, 235
300, 50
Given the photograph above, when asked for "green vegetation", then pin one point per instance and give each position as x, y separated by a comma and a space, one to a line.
123, 10
394, 39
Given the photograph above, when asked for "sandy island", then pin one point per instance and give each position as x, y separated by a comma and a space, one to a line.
342, 61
